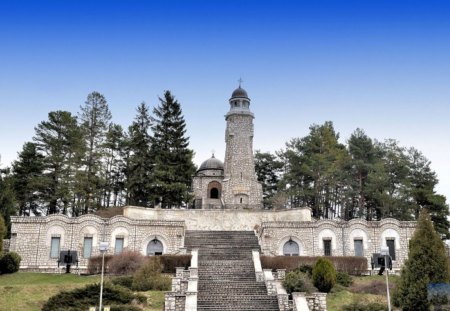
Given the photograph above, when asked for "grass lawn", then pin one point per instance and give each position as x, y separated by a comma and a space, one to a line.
29, 291
364, 289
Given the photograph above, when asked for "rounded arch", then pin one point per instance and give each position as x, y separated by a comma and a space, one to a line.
155, 247
390, 234
356, 234
121, 232
214, 190
327, 234
55, 231
160, 238
293, 241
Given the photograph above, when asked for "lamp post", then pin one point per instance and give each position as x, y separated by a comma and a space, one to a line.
103, 247
384, 251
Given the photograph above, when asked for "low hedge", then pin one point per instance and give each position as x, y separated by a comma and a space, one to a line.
95, 264
350, 264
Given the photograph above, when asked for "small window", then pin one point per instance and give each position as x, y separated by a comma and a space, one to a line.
291, 248
359, 251
54, 247
118, 246
240, 200
390, 243
87, 247
155, 248
327, 247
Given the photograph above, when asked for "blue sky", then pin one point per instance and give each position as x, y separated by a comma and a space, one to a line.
383, 66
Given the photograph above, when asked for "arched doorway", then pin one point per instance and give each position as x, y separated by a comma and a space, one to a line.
214, 190
155, 247
291, 248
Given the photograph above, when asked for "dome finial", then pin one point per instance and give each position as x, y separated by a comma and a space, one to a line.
213, 152
240, 82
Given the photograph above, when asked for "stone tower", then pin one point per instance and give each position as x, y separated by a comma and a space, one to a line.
241, 188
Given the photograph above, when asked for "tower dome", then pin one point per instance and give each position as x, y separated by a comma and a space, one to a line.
211, 164
239, 92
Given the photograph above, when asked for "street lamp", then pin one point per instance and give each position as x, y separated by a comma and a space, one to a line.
103, 247
384, 251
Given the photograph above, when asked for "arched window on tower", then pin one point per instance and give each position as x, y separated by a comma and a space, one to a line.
291, 248
155, 247
214, 194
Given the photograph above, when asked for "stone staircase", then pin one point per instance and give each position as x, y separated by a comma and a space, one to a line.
226, 274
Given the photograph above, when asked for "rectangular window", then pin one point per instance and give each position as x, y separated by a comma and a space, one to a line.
359, 251
118, 246
54, 247
87, 247
327, 247
390, 243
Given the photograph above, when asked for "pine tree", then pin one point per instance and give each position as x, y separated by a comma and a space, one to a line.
28, 181
3, 231
95, 118
7, 198
140, 162
427, 263
268, 169
173, 160
59, 139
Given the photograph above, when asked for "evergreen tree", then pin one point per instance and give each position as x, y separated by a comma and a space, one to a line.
3, 231
427, 263
28, 181
95, 118
7, 198
174, 168
140, 161
59, 139
268, 169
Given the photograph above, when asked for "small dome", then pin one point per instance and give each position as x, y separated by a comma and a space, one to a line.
211, 164
239, 92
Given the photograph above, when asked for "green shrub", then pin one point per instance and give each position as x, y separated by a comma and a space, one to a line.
149, 277
358, 306
117, 297
351, 264
171, 262
125, 263
297, 281
125, 281
324, 275
305, 269
10, 263
2, 232
344, 279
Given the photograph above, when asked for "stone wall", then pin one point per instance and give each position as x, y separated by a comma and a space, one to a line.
31, 236
233, 220
310, 236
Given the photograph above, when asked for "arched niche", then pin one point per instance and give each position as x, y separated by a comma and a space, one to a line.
214, 190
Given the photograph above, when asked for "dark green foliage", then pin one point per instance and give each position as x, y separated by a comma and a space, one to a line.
268, 169
324, 275
125, 281
360, 306
140, 161
10, 263
149, 277
171, 262
174, 168
82, 298
296, 281
344, 279
427, 263
350, 264
7, 198
2, 232
305, 269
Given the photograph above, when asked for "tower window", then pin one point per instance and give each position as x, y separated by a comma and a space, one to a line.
240, 200
214, 194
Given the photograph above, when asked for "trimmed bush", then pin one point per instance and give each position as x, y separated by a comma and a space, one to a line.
10, 263
95, 264
344, 279
149, 277
350, 264
358, 306
117, 297
125, 281
171, 262
125, 263
324, 275
297, 281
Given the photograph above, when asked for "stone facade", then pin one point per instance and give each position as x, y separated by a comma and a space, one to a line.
31, 237
310, 237
233, 184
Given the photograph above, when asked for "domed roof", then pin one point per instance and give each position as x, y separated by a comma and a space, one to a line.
239, 92
211, 164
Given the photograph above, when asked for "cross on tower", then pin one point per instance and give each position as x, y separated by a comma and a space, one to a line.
240, 81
